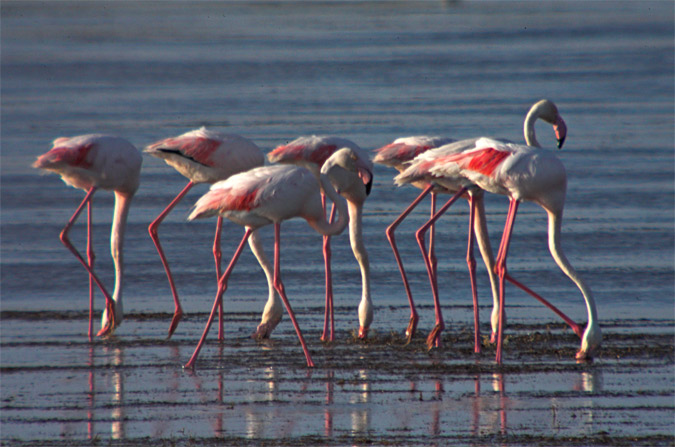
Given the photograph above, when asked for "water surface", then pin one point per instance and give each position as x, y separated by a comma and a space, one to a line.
370, 72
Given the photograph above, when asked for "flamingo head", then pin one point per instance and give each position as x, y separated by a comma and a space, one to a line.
548, 111
590, 342
350, 175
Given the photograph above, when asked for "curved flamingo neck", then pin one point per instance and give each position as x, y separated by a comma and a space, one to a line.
592, 332
361, 255
528, 127
322, 225
122, 204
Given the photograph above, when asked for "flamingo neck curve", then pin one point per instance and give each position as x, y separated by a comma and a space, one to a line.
361, 255
592, 335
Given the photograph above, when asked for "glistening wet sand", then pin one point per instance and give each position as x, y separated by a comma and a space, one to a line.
65, 391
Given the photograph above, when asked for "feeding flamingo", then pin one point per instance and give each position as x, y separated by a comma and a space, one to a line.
270, 195
312, 152
90, 162
416, 172
206, 156
531, 174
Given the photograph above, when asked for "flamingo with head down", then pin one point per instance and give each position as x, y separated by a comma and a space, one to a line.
415, 172
207, 156
270, 195
90, 162
312, 152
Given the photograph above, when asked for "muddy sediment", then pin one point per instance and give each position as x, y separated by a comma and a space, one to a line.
131, 389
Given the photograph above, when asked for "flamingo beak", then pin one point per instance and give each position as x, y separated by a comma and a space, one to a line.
560, 129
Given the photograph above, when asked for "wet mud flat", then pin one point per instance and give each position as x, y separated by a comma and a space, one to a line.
131, 389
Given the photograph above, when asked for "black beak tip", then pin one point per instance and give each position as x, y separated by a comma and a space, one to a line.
561, 142
369, 186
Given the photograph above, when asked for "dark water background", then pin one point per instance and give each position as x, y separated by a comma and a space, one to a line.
371, 72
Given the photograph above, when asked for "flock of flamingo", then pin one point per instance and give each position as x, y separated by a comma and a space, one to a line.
302, 174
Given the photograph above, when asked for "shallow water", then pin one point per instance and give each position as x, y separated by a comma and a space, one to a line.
371, 73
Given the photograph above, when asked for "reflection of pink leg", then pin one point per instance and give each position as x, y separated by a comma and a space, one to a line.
222, 287
152, 229
279, 286
66, 241
90, 259
410, 331
471, 262
217, 255
434, 338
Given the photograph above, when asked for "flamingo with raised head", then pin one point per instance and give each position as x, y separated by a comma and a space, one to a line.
207, 156
525, 173
90, 162
312, 152
270, 195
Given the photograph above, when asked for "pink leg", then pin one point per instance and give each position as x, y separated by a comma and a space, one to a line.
503, 274
64, 239
434, 338
471, 262
500, 266
328, 316
432, 236
279, 286
217, 254
152, 229
90, 259
575, 327
410, 331
222, 287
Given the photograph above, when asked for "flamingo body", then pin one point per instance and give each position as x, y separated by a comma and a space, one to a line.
263, 196
518, 171
90, 162
85, 161
207, 156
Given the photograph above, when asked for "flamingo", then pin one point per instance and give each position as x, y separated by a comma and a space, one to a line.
400, 155
416, 172
524, 173
90, 162
311, 152
270, 195
207, 156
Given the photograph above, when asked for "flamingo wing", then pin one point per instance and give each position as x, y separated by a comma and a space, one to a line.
405, 149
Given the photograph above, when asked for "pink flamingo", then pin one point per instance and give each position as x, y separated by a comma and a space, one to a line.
90, 162
270, 195
532, 174
206, 156
311, 152
419, 152
418, 172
